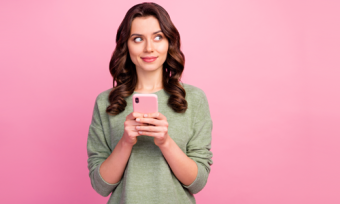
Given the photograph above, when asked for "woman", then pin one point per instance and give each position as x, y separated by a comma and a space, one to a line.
162, 157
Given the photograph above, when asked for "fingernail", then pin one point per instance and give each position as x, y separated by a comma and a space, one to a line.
137, 127
145, 115
137, 119
140, 132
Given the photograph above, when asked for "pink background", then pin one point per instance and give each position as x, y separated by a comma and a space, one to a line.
270, 70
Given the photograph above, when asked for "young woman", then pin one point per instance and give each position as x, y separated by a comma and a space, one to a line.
163, 157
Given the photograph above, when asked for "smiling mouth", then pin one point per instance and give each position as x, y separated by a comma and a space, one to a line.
149, 59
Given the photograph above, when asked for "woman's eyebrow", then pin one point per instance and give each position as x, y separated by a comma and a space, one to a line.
136, 34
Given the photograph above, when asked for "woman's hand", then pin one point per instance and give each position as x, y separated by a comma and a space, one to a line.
157, 127
130, 131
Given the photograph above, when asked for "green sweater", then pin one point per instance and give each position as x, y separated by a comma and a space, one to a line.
147, 177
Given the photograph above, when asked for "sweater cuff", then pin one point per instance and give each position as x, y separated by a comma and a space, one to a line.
103, 188
200, 181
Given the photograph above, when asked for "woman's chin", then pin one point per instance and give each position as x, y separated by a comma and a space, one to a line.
149, 68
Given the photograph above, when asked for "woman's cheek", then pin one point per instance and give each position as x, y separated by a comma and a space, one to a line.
163, 49
134, 55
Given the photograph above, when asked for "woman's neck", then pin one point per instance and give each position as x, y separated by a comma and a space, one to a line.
149, 81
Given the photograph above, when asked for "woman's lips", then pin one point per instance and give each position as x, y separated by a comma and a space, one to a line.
149, 59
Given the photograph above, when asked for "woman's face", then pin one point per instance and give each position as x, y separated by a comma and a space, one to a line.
148, 47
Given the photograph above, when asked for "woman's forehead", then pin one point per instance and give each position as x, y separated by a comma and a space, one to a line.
145, 25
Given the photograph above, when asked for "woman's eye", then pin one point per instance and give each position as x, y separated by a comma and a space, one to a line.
138, 39
135, 39
158, 37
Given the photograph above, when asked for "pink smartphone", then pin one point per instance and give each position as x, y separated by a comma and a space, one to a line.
145, 103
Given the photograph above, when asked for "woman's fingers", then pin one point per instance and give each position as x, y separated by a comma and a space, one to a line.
152, 121
151, 128
152, 124
134, 115
130, 125
156, 115
133, 122
152, 134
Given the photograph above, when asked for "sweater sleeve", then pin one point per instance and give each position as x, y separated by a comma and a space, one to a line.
98, 150
198, 147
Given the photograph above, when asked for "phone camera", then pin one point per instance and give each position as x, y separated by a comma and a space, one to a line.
137, 100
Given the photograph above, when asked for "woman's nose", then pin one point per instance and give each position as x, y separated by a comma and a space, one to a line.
148, 46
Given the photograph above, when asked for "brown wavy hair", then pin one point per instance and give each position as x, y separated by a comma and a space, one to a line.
123, 70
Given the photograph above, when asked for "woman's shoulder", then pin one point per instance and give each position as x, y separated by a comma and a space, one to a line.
196, 98
103, 96
193, 91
